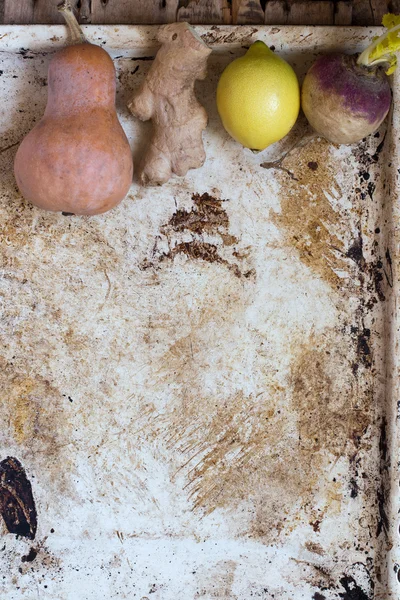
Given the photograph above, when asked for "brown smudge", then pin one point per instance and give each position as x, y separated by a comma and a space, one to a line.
40, 559
30, 557
201, 251
274, 448
34, 417
384, 486
363, 347
28, 419
352, 590
250, 447
331, 413
17, 506
207, 216
316, 574
217, 582
307, 219
24, 412
314, 548
315, 525
330, 240
354, 584
333, 386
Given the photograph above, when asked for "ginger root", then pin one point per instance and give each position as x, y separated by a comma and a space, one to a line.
167, 98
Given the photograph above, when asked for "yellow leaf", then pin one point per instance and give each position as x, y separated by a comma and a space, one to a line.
390, 20
384, 48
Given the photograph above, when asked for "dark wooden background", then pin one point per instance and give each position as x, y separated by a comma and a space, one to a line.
279, 12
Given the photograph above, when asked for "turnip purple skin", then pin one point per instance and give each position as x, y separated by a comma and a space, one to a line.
344, 101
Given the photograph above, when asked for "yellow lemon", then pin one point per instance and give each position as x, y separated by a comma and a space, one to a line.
258, 97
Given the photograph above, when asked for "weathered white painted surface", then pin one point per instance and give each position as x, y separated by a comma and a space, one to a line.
195, 381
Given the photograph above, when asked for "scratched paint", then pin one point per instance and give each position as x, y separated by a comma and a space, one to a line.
194, 382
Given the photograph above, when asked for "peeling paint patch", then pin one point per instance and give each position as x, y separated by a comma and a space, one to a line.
30, 557
352, 591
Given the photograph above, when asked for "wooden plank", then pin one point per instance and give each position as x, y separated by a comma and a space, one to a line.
380, 8
134, 11
93, 11
300, 12
204, 11
18, 12
343, 13
85, 11
395, 7
371, 12
46, 12
279, 12
43, 11
276, 12
309, 12
247, 12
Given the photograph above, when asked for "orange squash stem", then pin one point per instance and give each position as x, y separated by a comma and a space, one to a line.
77, 35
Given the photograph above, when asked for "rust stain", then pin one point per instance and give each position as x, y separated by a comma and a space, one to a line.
315, 548
34, 418
355, 583
45, 559
332, 376
275, 447
206, 217
24, 410
249, 446
38, 559
330, 240
29, 417
307, 219
202, 251
217, 583
332, 412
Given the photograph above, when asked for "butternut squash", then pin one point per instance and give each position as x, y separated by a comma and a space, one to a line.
77, 158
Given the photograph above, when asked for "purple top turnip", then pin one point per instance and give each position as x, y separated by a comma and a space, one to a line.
347, 97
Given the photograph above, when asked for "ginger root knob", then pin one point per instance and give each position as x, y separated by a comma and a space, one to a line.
167, 98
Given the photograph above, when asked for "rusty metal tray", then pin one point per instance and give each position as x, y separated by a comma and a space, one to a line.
200, 386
